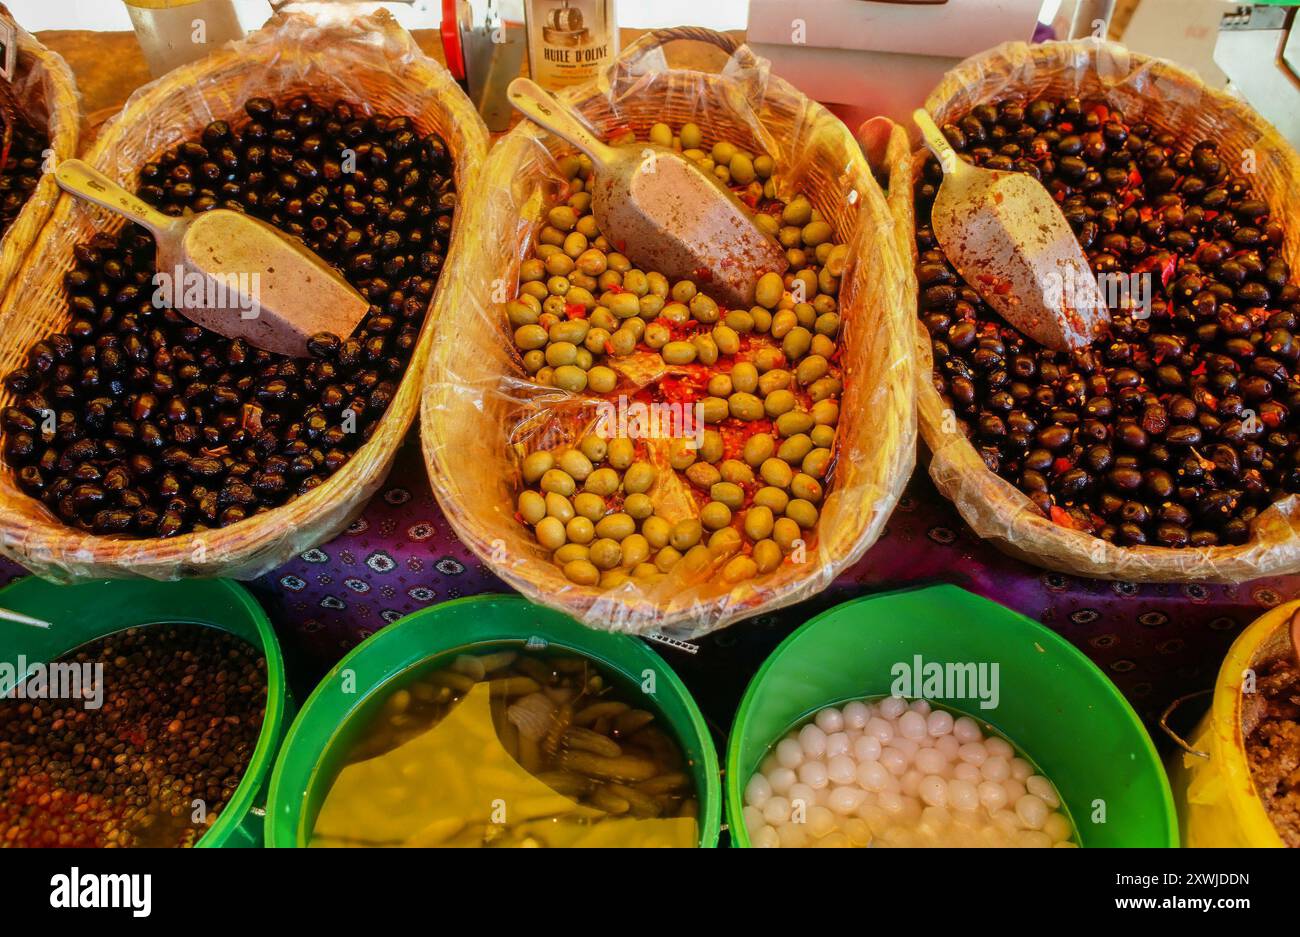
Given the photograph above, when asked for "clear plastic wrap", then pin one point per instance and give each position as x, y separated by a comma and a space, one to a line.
45, 94
481, 414
1162, 94
369, 61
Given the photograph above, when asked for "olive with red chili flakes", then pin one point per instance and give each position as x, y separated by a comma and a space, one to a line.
1178, 427
135, 421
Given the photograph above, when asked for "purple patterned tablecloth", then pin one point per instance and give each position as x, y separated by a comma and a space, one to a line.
1155, 642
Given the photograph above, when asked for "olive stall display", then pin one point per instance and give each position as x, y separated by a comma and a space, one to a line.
766, 380
1178, 426
134, 421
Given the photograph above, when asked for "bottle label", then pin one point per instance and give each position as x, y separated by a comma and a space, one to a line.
570, 41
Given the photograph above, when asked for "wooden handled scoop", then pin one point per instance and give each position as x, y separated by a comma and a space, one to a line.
1009, 240
661, 210
232, 273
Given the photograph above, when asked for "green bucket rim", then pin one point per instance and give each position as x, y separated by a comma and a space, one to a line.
261, 762
735, 787
283, 803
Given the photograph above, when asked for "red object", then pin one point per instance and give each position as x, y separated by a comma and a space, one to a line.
450, 30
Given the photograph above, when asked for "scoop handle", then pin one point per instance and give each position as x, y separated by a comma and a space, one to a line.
83, 181
938, 144
531, 100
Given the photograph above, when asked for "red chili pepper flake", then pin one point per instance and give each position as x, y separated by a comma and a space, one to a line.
1062, 464
1199, 370
575, 310
1062, 518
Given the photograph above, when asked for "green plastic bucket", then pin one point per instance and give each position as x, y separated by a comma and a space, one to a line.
315, 744
1054, 703
89, 610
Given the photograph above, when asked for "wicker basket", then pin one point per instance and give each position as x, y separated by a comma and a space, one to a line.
478, 399
1151, 91
368, 60
46, 93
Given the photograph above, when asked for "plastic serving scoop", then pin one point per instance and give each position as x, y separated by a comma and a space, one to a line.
1011, 243
1295, 635
232, 273
661, 210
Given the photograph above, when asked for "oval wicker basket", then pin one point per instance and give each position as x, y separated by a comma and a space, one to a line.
368, 60
46, 93
1172, 99
478, 399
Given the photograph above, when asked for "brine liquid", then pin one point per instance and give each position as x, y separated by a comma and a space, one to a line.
502, 747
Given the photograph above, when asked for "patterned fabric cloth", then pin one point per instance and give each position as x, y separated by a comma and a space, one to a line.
1156, 642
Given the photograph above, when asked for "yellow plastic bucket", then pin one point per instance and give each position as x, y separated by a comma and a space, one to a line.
1210, 776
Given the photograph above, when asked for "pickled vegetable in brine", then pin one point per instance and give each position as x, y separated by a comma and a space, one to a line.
509, 748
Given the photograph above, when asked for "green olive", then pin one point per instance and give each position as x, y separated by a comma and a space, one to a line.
823, 436
636, 550
657, 335
802, 512
681, 454
806, 488
796, 343
726, 339
745, 406
550, 533
678, 353
739, 569
744, 377
534, 361
691, 136
715, 515
797, 213
602, 380
620, 453
766, 556
667, 558
712, 446
776, 379
728, 493
769, 290
794, 448
603, 482
758, 522
777, 403
623, 342
823, 388
772, 497
683, 291
817, 463
740, 323
590, 505
794, 422
686, 533
571, 332
573, 462
720, 385
742, 169
723, 152
532, 506
537, 464
704, 309
646, 571
736, 472
639, 478
764, 166
559, 507
559, 481
811, 369
758, 449
570, 552
570, 377
616, 526
612, 578
579, 529
656, 531
529, 337
639, 506
661, 135
786, 533
826, 412
562, 217
706, 352
817, 232
724, 542
715, 409
606, 553
776, 472
703, 475
582, 572
520, 313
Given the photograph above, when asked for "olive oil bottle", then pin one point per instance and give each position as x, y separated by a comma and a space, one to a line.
570, 41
